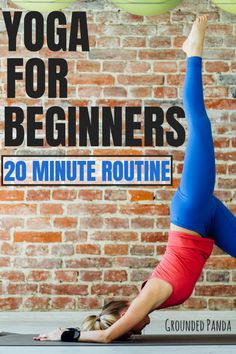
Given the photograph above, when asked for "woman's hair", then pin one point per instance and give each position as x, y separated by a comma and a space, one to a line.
110, 314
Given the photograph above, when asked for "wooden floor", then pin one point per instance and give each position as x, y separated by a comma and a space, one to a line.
163, 322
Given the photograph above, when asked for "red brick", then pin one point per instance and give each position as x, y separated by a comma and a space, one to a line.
108, 42
114, 66
37, 263
165, 92
219, 29
4, 235
116, 223
227, 104
138, 67
195, 303
65, 223
135, 262
105, 289
164, 67
10, 249
37, 237
142, 223
64, 194
218, 276
216, 290
21, 289
137, 29
163, 223
115, 275
221, 169
91, 223
11, 195
63, 303
88, 66
88, 303
133, 42
38, 223
89, 91
38, 194
139, 275
140, 91
91, 79
4, 262
17, 209
140, 195
178, 41
116, 249
217, 66
140, 79
13, 276
221, 263
37, 250
66, 276
10, 303
88, 249
221, 143
115, 92
115, 195
214, 92
94, 262
160, 249
142, 250
36, 303
154, 236
159, 41
114, 236
38, 275
51, 209
164, 194
220, 304
63, 289
62, 250
86, 194
144, 209
77, 236
90, 275
91, 209
166, 54
226, 183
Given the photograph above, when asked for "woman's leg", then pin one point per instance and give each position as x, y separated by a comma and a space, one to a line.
194, 207
223, 228
192, 204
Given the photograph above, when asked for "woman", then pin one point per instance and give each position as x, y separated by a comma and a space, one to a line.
198, 220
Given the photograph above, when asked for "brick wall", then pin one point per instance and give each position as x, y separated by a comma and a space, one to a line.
73, 248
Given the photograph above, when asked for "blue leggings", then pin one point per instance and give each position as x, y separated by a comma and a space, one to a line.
194, 206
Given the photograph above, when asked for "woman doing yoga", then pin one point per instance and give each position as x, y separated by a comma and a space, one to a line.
198, 220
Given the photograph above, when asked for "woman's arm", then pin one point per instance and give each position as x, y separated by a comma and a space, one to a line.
155, 292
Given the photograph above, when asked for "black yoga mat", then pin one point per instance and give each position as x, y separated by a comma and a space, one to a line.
14, 339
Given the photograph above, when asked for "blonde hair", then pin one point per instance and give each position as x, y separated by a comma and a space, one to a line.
110, 314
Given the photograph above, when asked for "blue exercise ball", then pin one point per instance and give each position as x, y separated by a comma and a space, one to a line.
146, 8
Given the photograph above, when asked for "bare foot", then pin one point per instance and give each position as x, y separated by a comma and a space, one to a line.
193, 46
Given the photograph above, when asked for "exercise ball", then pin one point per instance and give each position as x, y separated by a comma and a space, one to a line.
45, 5
146, 7
226, 5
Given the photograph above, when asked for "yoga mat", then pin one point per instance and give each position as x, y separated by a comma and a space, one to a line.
14, 339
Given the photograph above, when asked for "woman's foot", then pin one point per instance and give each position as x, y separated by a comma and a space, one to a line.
193, 46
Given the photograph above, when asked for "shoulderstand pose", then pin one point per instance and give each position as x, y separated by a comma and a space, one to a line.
198, 220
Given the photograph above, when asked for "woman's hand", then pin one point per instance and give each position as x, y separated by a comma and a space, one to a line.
54, 335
